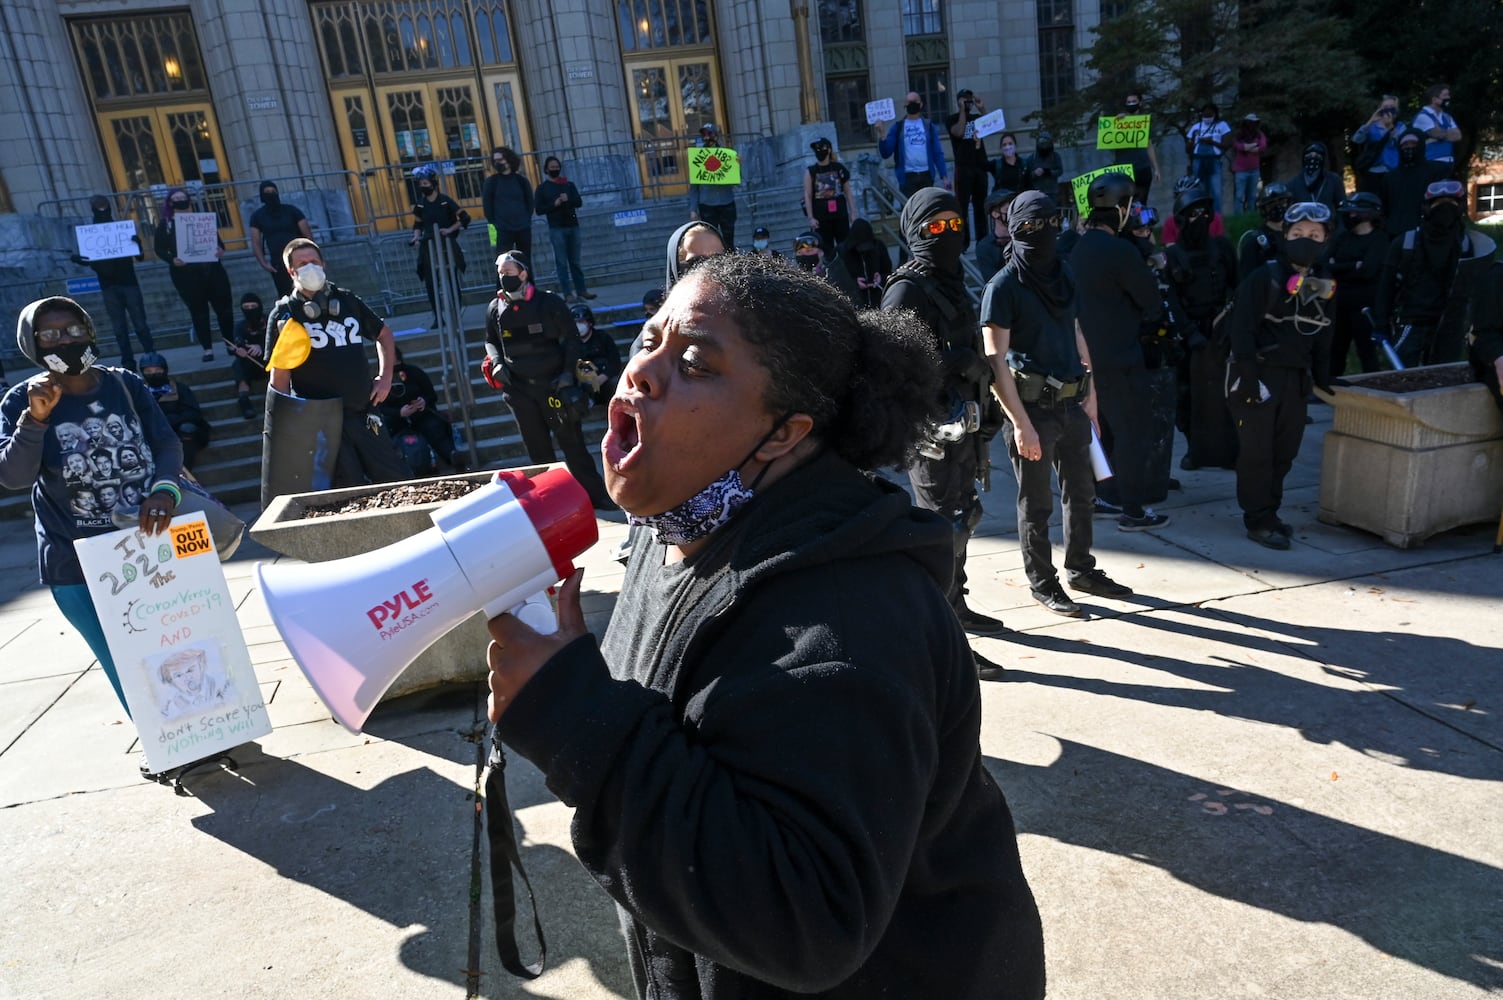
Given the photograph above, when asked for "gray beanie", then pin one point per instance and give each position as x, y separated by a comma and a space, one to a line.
25, 337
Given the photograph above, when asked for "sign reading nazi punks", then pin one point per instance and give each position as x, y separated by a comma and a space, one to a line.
197, 237
710, 165
169, 619
1124, 132
1081, 186
107, 240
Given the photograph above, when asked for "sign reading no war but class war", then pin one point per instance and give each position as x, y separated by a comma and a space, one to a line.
107, 240
197, 237
1123, 132
170, 623
710, 165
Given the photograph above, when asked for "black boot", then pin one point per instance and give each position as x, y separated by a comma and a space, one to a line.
246, 409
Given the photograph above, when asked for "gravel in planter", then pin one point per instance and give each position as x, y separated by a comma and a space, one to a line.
1416, 379
410, 495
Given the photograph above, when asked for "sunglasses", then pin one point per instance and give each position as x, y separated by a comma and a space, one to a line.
805, 244
75, 331
1307, 211
1034, 226
940, 225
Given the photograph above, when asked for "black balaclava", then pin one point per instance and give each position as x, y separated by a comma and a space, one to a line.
941, 253
100, 207
270, 197
1314, 163
1033, 254
255, 316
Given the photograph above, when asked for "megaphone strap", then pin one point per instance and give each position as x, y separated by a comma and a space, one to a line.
502, 837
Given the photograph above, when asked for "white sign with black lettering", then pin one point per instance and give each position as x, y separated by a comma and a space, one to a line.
170, 623
880, 111
197, 237
107, 240
990, 123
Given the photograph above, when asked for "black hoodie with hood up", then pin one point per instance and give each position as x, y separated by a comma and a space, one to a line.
775, 762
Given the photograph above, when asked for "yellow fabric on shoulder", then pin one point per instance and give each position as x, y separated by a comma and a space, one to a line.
293, 346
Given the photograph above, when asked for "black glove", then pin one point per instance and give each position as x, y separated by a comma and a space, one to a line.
78, 258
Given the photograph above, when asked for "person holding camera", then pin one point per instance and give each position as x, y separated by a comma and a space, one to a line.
411, 409
532, 352
600, 356
972, 168
1377, 143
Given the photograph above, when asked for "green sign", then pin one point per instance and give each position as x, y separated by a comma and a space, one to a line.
1081, 186
1122, 132
710, 165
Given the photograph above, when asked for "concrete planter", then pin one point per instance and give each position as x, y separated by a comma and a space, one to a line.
457, 657
1408, 465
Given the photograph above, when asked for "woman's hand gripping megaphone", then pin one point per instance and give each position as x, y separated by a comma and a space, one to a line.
517, 651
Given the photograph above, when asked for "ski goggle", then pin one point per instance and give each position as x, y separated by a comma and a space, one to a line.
1444, 189
936, 226
805, 243
1308, 211
1147, 216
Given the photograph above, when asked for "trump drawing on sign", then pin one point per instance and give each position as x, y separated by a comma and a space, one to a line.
190, 680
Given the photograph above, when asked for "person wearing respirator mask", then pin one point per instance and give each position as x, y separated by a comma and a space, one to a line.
532, 354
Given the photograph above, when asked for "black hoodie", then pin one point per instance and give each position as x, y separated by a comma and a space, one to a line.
775, 761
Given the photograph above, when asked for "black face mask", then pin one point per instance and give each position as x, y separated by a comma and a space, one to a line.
72, 358
554, 172
822, 152
500, 165
1304, 252
1442, 218
1045, 148
1409, 154
254, 317
913, 107
271, 199
808, 261
426, 189
1131, 108
180, 206
1314, 165
157, 380
101, 213
511, 283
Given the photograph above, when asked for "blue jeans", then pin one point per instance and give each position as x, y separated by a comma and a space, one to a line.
565, 240
74, 602
1208, 172
1245, 191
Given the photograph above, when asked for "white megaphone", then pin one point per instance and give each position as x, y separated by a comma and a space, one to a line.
355, 624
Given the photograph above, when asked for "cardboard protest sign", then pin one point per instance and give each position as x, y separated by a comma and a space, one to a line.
711, 165
1081, 186
197, 237
880, 111
1123, 132
990, 123
169, 620
107, 240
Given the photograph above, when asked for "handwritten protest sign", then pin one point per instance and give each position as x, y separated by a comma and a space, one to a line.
169, 620
1081, 186
710, 165
197, 237
1122, 132
107, 240
990, 123
880, 111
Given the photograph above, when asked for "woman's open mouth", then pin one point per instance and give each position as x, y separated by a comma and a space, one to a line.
623, 438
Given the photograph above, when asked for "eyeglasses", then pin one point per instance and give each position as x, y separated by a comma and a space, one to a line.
1311, 211
1445, 189
1034, 226
75, 331
938, 226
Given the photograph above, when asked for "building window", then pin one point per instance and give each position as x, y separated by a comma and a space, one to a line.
840, 21
1489, 198
131, 58
1056, 51
400, 36
932, 84
847, 98
922, 17
662, 24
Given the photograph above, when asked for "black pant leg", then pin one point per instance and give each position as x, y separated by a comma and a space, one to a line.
530, 408
580, 462
1122, 395
196, 297
114, 306
1269, 436
1035, 498
947, 486
281, 279
220, 298
436, 431
1077, 488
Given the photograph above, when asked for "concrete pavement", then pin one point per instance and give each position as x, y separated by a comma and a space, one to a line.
1267, 774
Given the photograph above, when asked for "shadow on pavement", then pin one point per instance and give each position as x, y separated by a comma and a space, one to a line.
1422, 905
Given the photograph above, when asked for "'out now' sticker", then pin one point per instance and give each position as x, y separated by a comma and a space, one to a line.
191, 539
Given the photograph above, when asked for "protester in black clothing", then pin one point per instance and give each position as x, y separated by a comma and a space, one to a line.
991, 253
828, 202
776, 577
1281, 343
201, 286
1486, 352
178, 403
506, 199
272, 227
1429, 278
411, 408
436, 216
1403, 189
1116, 297
1202, 270
1143, 162
1356, 262
1316, 181
971, 166
947, 467
1259, 246
599, 364
119, 289
1043, 168
338, 327
531, 353
249, 362
1007, 169
558, 200
867, 262
1041, 374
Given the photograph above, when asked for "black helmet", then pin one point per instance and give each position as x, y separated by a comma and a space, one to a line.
1111, 190
1272, 202
583, 314
1364, 206
1188, 198
151, 359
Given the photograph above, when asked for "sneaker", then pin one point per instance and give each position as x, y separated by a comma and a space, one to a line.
977, 623
208, 356
987, 670
1104, 509
1269, 538
1055, 599
1145, 521
1098, 583
589, 295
